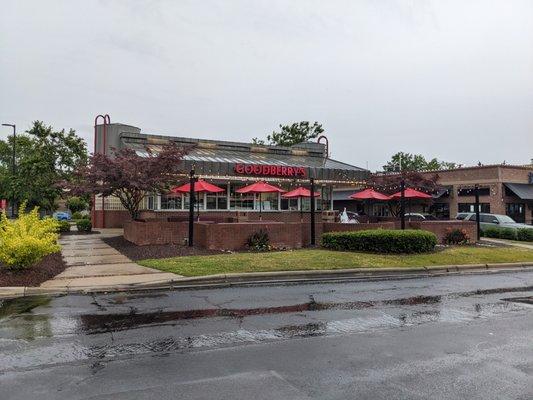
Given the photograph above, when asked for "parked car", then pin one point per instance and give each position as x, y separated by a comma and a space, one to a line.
61, 216
493, 220
420, 217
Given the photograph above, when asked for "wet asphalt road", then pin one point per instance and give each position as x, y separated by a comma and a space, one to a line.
440, 338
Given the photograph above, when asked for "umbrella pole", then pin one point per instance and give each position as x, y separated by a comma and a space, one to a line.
301, 211
198, 209
260, 208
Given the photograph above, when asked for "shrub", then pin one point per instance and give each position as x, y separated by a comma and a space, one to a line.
64, 226
381, 241
26, 240
259, 241
491, 232
508, 233
84, 225
525, 234
456, 236
77, 215
76, 204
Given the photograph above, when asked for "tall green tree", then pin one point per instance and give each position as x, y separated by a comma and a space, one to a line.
44, 157
415, 162
289, 135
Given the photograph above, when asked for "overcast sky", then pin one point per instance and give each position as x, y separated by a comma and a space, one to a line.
448, 79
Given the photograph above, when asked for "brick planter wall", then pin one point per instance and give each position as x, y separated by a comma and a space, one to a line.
233, 236
155, 232
439, 228
291, 235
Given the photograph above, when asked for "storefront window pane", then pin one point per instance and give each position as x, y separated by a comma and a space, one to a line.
240, 201
217, 201
171, 202
269, 201
289, 204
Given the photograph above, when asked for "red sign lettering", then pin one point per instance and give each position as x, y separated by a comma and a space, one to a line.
270, 170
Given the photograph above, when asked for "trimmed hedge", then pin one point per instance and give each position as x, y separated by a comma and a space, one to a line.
381, 241
524, 234
84, 225
64, 226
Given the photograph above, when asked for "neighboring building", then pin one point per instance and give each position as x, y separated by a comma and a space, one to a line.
231, 165
503, 189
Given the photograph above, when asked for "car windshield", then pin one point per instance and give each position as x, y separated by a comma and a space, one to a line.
504, 219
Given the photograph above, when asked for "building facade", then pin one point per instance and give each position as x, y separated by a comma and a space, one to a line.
229, 165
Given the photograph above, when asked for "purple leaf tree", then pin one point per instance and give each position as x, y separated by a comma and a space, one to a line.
129, 176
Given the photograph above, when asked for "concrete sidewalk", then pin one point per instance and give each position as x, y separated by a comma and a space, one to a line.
93, 264
509, 242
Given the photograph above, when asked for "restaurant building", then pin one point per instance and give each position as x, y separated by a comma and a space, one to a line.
231, 166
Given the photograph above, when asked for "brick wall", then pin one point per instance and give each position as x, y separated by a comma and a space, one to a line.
439, 228
156, 232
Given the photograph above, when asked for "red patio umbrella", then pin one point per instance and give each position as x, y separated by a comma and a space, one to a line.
260, 187
300, 192
369, 194
199, 186
411, 194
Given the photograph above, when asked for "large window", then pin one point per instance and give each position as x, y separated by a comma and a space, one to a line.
269, 201
516, 211
471, 207
289, 204
239, 201
216, 201
171, 202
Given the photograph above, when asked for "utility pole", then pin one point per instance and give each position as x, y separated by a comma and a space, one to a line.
13, 165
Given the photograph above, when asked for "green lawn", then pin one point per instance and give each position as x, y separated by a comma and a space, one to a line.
326, 259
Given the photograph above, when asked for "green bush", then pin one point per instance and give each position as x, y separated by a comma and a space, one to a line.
525, 234
381, 241
26, 240
259, 241
64, 226
491, 232
77, 215
508, 233
456, 236
76, 204
84, 225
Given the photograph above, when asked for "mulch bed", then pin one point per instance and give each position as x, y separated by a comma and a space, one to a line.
136, 253
47, 268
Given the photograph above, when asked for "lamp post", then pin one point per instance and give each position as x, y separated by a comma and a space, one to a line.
192, 179
478, 222
313, 237
402, 204
14, 165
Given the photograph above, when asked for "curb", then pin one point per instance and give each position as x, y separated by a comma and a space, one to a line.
277, 277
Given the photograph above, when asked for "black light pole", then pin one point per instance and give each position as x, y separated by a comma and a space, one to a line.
192, 179
313, 237
402, 204
14, 165
478, 222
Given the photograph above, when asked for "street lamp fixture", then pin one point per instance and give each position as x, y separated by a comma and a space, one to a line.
13, 165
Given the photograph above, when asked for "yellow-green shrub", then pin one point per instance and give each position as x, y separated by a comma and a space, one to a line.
26, 240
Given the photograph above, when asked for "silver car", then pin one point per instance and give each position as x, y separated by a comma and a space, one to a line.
492, 220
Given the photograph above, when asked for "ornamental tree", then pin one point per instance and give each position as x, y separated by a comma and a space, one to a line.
128, 175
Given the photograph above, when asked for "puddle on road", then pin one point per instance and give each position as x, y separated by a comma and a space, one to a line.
21, 305
100, 323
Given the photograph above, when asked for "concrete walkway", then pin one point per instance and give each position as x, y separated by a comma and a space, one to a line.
92, 264
510, 243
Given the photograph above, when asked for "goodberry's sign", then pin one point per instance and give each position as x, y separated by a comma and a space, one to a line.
270, 170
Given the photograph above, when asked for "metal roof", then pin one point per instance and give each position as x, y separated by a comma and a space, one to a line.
219, 158
522, 190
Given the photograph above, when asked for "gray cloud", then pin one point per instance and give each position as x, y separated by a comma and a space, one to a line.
447, 79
